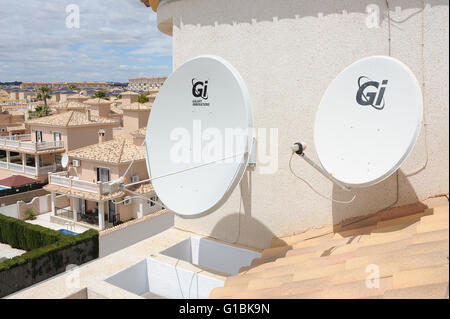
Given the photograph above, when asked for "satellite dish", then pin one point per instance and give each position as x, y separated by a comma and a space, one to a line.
200, 104
368, 121
65, 160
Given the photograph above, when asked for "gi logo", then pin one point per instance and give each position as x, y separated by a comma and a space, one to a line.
200, 89
373, 97
200, 92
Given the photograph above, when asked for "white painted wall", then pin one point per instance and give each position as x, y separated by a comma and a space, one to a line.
10, 210
211, 254
132, 234
133, 279
288, 52
165, 280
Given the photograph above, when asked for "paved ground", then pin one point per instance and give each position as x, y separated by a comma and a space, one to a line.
6, 252
4, 173
44, 220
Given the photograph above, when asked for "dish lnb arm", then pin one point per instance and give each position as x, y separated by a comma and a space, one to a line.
299, 149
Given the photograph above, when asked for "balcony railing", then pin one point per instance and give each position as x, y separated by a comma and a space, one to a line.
63, 179
44, 170
24, 142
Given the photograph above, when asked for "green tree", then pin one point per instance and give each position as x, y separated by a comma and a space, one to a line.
44, 93
40, 111
100, 95
72, 87
142, 98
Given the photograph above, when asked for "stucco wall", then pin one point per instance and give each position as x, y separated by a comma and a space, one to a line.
288, 52
133, 120
74, 137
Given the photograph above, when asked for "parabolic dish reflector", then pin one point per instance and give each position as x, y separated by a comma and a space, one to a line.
65, 160
201, 115
368, 121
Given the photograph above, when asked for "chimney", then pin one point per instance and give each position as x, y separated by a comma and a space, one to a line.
88, 113
101, 136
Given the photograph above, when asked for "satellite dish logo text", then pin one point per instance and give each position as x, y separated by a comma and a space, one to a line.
200, 92
371, 93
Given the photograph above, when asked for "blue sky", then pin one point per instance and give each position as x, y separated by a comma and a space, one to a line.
116, 40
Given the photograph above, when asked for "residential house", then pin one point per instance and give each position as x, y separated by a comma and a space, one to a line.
77, 98
101, 107
11, 122
129, 97
38, 153
86, 182
69, 106
135, 115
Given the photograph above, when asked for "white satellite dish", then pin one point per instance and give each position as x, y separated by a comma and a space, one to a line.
204, 100
65, 160
368, 121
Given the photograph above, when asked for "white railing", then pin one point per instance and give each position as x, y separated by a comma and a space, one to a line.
16, 167
47, 145
11, 143
63, 179
47, 169
18, 143
22, 137
85, 186
30, 170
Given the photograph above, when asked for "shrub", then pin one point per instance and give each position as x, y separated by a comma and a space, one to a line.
31, 214
22, 235
38, 241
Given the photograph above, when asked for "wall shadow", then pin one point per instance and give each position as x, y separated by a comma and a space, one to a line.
241, 227
392, 198
219, 12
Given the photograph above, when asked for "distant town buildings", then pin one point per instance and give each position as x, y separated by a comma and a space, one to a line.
146, 83
61, 85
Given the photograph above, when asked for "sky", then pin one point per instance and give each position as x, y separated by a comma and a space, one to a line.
115, 40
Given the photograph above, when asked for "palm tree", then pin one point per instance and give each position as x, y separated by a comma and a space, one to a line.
142, 98
40, 111
44, 93
100, 95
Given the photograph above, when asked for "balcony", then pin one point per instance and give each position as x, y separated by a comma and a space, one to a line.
31, 170
63, 179
24, 142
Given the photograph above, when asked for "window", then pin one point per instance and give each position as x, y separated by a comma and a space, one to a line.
102, 174
56, 136
39, 136
58, 159
153, 200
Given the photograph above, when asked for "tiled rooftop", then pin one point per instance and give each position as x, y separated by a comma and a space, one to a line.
116, 151
410, 252
97, 101
71, 118
128, 93
137, 106
115, 109
140, 132
70, 105
77, 97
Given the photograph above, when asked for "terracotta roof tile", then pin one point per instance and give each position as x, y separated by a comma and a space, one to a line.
97, 101
118, 150
411, 252
71, 118
137, 106
70, 105
140, 132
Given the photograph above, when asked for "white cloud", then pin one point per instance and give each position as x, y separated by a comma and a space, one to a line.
116, 40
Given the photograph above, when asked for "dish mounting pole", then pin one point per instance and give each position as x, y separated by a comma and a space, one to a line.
299, 149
